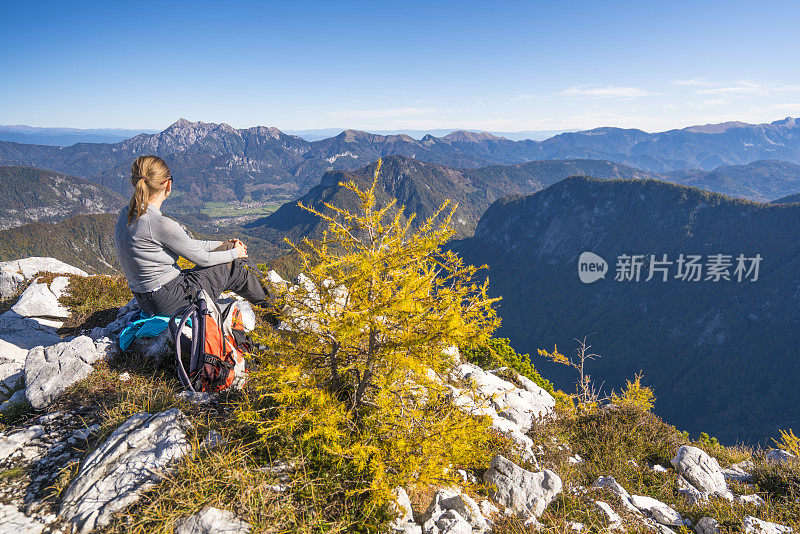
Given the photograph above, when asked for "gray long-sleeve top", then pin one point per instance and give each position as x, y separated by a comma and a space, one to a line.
148, 249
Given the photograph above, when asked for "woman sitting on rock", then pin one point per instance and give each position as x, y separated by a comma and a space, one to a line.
148, 246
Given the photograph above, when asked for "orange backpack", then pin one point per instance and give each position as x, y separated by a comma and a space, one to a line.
215, 345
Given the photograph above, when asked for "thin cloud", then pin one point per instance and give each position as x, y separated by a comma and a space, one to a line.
607, 92
518, 98
694, 82
748, 88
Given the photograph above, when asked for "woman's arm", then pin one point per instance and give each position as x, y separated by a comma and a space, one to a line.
173, 237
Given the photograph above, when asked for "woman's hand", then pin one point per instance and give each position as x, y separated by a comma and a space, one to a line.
240, 247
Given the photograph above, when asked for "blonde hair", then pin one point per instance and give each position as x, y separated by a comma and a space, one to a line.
149, 176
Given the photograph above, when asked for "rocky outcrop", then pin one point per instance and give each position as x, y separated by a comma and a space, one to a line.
701, 470
18, 335
49, 371
520, 490
212, 520
759, 526
403, 513
657, 510
780, 456
131, 460
452, 512
512, 410
42, 449
14, 274
12, 521
707, 525
40, 302
612, 518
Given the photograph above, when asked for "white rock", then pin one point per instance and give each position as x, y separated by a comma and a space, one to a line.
14, 442
488, 509
12, 521
451, 512
614, 487
518, 405
658, 468
130, 461
38, 301
576, 459
612, 517
737, 472
212, 520
575, 526
405, 528
401, 506
780, 456
453, 354
17, 272
759, 526
449, 522
50, 371
692, 495
17, 336
521, 490
707, 525
752, 500
657, 510
701, 470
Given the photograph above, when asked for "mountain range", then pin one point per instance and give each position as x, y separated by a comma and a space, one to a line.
31, 195
216, 162
65, 136
722, 355
421, 188
86, 241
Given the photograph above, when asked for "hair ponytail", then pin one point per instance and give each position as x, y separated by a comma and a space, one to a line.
149, 176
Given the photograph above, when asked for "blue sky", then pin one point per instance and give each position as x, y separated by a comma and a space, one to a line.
500, 66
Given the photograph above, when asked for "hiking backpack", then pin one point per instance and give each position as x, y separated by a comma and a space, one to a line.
215, 343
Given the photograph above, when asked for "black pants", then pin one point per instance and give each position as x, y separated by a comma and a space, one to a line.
240, 276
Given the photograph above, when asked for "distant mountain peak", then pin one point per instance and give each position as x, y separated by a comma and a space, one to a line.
464, 136
716, 128
181, 123
788, 121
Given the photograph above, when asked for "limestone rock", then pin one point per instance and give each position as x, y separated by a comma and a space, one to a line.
521, 490
738, 472
14, 442
692, 495
12, 521
610, 484
453, 512
780, 456
127, 463
759, 526
518, 405
657, 510
15, 273
752, 500
707, 525
39, 301
212, 520
18, 335
50, 371
401, 506
701, 470
612, 517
